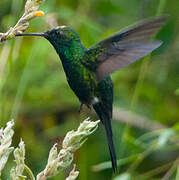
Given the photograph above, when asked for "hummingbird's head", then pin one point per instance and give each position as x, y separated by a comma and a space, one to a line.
62, 38
62, 33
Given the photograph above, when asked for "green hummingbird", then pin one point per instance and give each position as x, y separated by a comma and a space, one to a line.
88, 69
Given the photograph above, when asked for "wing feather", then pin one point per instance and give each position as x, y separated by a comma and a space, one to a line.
124, 48
125, 57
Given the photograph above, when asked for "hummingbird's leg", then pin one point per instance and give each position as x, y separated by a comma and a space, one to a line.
90, 109
81, 107
88, 106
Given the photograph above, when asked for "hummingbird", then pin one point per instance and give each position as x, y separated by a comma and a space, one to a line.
88, 69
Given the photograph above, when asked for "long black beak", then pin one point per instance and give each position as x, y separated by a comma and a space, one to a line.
32, 34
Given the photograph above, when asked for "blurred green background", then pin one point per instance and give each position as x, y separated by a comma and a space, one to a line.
34, 91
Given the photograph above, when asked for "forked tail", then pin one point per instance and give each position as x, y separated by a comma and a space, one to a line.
106, 120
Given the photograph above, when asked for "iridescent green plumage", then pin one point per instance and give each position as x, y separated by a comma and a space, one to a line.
82, 79
88, 70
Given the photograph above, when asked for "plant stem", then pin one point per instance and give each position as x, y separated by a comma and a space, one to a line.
29, 172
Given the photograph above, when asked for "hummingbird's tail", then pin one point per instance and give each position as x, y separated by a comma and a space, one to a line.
106, 120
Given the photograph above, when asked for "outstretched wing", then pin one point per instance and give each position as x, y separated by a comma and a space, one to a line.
123, 48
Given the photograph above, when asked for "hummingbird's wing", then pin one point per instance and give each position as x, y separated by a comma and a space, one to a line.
123, 48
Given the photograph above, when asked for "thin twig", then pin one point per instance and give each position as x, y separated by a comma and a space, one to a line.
31, 11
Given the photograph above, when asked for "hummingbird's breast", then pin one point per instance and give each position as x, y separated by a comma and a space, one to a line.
81, 80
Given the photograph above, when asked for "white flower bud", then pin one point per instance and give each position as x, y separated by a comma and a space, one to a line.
5, 142
73, 174
72, 141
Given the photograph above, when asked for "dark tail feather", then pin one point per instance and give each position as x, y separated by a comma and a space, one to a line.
105, 118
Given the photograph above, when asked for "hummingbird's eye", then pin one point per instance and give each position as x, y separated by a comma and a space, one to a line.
62, 34
57, 32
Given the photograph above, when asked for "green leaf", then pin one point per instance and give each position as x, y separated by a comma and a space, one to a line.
125, 176
164, 137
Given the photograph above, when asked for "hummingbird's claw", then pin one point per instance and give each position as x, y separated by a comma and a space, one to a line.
88, 106
80, 108
90, 109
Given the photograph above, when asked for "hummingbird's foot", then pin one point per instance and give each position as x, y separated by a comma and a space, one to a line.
81, 107
90, 109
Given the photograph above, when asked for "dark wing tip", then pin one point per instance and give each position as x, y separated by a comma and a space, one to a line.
162, 18
158, 21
